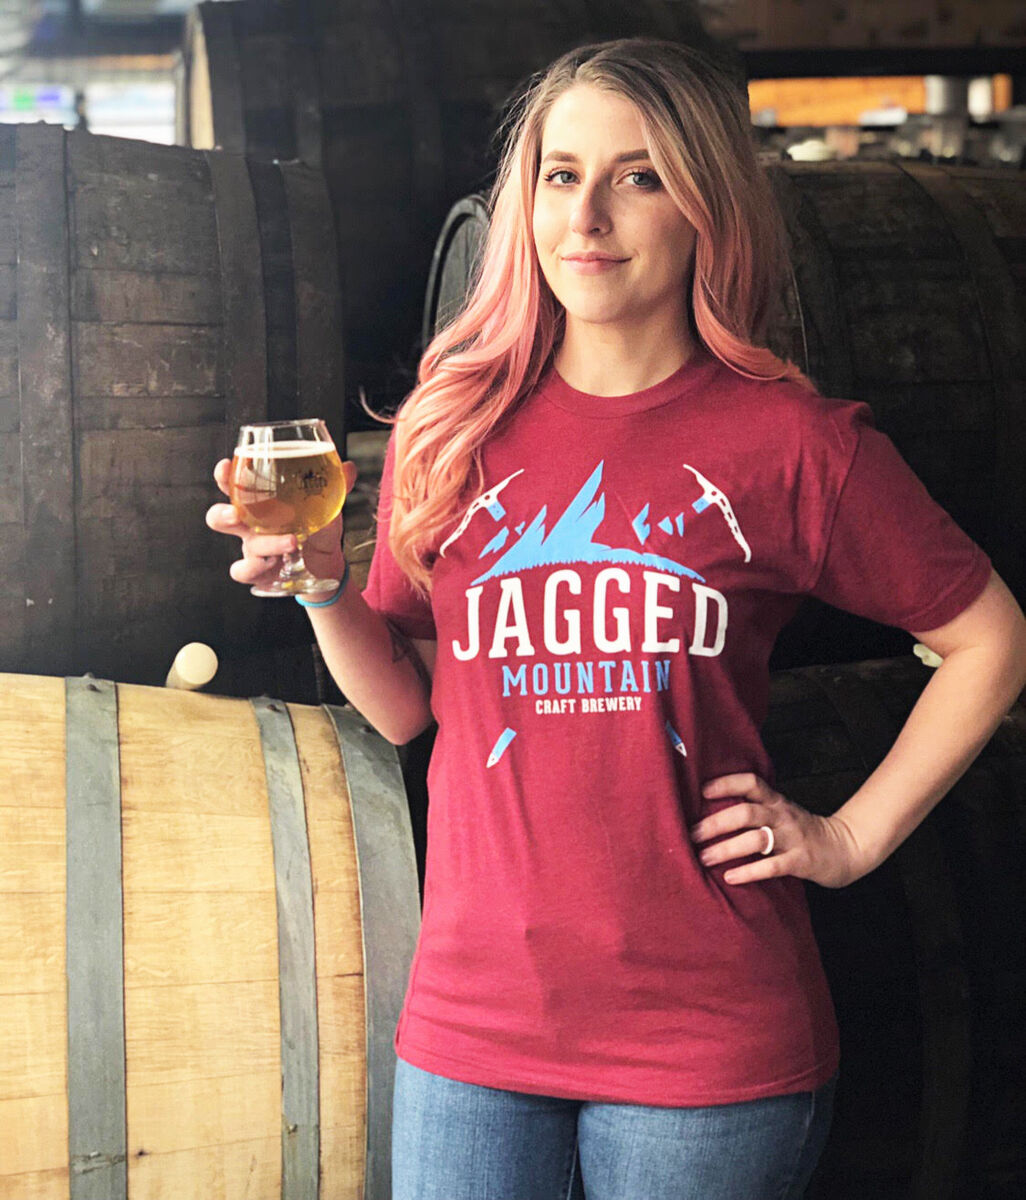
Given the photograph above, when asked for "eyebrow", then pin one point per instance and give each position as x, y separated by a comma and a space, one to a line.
563, 156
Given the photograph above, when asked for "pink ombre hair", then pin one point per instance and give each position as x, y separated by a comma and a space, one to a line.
475, 371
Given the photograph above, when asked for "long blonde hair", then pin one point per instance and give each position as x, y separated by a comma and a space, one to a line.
474, 371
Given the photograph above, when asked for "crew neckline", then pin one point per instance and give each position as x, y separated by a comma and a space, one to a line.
689, 375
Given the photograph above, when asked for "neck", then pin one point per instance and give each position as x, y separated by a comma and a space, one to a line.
613, 361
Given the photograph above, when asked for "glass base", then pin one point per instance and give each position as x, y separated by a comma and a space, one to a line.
299, 585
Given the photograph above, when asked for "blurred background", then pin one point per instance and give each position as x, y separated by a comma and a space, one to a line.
832, 78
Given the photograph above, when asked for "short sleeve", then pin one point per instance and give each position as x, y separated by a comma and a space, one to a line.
388, 590
891, 552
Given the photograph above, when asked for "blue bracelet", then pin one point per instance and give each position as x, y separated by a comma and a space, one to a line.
329, 602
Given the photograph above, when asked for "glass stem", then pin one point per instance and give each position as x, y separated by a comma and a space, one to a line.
292, 564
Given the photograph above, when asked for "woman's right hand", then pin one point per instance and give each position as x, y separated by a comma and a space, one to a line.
262, 552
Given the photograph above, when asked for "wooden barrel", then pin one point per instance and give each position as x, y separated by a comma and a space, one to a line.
906, 292
152, 298
455, 261
925, 956
398, 102
209, 909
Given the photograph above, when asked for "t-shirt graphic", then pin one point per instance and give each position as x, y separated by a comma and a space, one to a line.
518, 546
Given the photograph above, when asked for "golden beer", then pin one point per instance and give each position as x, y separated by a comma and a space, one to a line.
287, 487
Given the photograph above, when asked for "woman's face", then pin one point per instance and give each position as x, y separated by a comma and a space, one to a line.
597, 191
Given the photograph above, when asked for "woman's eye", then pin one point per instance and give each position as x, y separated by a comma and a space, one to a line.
649, 179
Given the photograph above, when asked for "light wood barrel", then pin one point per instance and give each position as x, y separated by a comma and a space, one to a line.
208, 911
152, 299
906, 292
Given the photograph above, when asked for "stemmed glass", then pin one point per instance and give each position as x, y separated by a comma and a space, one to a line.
287, 477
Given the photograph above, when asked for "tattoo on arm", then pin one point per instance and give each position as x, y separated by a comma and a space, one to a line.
402, 647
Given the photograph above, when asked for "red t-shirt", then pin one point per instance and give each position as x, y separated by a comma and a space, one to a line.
605, 612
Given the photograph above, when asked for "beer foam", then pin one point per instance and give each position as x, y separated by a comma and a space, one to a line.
284, 450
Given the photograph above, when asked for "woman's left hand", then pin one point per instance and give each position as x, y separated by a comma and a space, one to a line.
821, 849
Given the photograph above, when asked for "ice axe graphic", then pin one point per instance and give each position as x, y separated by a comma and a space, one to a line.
485, 500
711, 494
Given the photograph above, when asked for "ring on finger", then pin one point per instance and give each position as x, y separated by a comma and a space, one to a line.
770, 840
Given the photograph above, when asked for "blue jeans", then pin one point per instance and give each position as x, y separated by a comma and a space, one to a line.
461, 1141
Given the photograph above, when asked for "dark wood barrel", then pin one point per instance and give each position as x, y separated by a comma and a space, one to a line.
906, 292
398, 102
456, 258
153, 298
925, 956
209, 912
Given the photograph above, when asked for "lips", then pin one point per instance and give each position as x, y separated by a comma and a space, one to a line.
592, 266
592, 258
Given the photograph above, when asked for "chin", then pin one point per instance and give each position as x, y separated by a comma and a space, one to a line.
592, 318
599, 306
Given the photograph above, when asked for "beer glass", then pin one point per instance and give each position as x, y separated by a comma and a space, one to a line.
286, 477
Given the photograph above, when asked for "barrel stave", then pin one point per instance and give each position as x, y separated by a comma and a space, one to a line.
341, 983
33, 982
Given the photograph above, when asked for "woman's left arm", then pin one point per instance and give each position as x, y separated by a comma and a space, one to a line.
982, 673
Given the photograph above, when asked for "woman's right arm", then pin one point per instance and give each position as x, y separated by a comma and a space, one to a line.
383, 674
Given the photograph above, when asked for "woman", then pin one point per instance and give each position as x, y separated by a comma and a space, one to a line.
599, 506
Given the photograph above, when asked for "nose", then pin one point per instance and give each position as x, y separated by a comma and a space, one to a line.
590, 213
